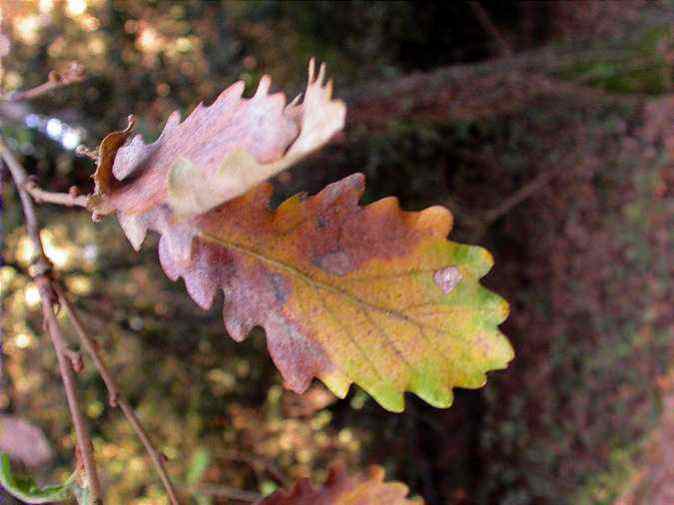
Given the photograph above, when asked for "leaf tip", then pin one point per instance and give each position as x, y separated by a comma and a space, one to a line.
507, 352
337, 383
134, 228
389, 397
437, 220
263, 86
312, 69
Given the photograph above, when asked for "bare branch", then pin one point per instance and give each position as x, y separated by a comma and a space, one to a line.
82, 150
114, 396
256, 464
70, 199
230, 493
526, 191
40, 270
53, 294
74, 73
488, 25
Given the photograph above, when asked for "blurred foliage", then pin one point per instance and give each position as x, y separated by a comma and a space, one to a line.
585, 261
644, 68
26, 489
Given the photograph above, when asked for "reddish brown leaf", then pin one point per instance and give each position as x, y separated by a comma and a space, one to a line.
347, 293
340, 489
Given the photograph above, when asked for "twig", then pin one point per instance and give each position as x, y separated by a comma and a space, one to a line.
87, 153
40, 271
487, 24
265, 465
115, 398
230, 493
70, 199
529, 189
53, 294
74, 73
75, 359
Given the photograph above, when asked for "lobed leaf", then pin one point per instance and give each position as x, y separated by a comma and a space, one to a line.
340, 489
372, 295
218, 153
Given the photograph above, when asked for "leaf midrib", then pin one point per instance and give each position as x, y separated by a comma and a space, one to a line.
229, 244
362, 304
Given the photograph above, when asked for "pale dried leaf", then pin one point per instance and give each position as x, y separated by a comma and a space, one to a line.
218, 153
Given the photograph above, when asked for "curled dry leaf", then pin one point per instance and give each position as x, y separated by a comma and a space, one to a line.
340, 489
371, 295
218, 153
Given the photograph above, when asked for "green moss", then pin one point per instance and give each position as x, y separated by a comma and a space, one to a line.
642, 69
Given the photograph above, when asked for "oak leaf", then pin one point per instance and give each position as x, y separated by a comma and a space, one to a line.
372, 295
340, 489
218, 153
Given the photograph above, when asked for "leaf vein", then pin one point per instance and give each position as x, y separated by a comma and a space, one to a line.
391, 312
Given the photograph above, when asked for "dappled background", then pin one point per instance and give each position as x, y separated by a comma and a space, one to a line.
546, 128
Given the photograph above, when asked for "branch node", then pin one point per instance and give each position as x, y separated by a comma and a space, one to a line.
74, 73
40, 267
70, 199
30, 184
113, 399
76, 361
83, 150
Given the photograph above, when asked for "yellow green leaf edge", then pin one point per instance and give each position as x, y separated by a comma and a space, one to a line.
490, 311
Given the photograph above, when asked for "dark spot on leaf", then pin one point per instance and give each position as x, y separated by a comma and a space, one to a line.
280, 290
336, 263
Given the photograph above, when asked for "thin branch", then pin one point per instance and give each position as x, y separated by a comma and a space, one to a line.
526, 191
115, 398
40, 271
70, 199
262, 463
230, 493
74, 73
489, 26
53, 294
